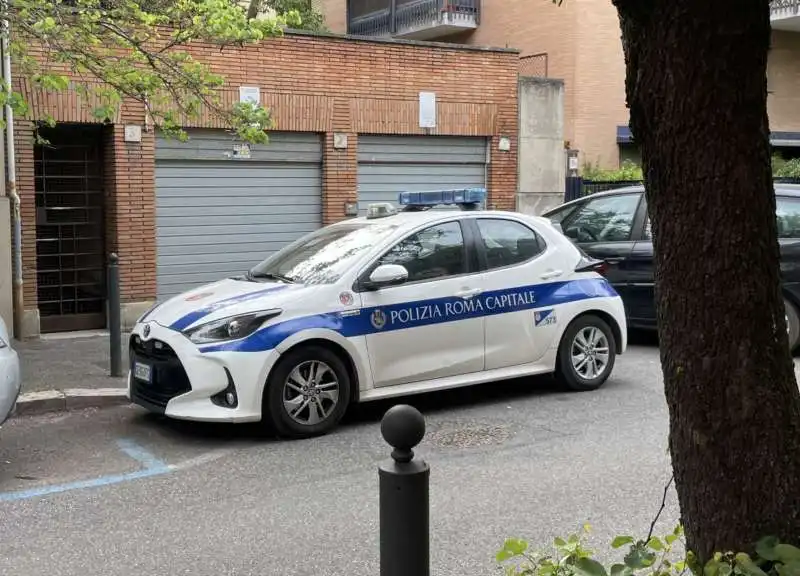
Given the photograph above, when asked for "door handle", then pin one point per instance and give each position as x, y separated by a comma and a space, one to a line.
469, 293
551, 274
614, 260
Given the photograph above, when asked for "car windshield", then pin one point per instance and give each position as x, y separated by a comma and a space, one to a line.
322, 256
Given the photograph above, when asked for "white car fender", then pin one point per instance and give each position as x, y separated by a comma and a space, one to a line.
357, 356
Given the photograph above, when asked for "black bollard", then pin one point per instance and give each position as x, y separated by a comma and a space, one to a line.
114, 317
404, 500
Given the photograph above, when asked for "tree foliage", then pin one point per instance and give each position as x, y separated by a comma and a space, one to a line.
108, 50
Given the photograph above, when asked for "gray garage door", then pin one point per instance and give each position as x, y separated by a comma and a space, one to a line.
217, 216
388, 165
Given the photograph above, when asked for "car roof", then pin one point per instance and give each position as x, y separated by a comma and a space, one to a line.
410, 219
781, 189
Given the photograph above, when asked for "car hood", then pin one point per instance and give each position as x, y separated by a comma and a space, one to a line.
223, 299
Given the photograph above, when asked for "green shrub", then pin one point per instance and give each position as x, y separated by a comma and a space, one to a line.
785, 168
650, 557
629, 171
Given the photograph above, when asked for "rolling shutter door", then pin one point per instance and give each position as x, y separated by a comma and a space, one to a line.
217, 216
388, 165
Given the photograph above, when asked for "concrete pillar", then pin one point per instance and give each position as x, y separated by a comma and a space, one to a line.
541, 160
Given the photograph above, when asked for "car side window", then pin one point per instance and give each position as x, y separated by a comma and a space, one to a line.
559, 215
507, 242
605, 219
435, 252
788, 214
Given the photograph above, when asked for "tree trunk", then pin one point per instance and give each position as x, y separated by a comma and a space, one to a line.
697, 93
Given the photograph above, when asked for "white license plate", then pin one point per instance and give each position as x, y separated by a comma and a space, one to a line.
142, 371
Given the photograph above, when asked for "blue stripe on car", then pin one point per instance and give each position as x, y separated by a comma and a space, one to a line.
195, 315
420, 313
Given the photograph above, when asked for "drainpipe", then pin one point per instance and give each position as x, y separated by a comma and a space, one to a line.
12, 188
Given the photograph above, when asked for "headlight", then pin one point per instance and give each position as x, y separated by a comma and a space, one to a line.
230, 328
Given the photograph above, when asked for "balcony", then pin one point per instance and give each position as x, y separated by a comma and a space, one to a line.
414, 19
785, 15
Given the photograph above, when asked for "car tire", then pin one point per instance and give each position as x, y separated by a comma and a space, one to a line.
285, 393
792, 324
572, 369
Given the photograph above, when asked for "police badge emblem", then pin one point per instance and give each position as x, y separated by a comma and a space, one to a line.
378, 319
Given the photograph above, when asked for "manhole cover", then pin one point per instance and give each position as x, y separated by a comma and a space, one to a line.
470, 435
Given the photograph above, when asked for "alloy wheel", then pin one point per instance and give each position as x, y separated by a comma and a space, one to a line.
311, 392
590, 353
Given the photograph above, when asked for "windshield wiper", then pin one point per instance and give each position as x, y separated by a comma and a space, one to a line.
269, 276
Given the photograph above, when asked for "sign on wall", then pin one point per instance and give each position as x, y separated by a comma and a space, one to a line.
250, 94
427, 110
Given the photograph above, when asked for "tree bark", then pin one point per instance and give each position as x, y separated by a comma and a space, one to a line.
697, 92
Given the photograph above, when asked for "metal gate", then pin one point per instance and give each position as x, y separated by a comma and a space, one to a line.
220, 211
70, 229
388, 165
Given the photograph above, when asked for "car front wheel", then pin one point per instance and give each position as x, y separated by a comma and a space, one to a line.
586, 354
307, 393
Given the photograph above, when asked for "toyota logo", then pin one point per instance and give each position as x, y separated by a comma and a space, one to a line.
146, 331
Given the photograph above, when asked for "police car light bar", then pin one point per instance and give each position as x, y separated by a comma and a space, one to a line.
465, 197
380, 210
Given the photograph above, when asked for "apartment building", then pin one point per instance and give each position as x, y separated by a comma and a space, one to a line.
578, 42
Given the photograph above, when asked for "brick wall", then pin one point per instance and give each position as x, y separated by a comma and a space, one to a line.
317, 83
582, 41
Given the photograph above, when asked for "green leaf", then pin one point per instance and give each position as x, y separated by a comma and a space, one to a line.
670, 539
502, 555
620, 541
589, 567
516, 546
712, 567
655, 544
789, 569
621, 570
559, 542
639, 557
765, 548
746, 564
787, 553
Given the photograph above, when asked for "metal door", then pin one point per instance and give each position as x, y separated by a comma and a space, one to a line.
220, 209
388, 165
70, 229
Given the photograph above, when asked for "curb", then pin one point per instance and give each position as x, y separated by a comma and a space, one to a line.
48, 401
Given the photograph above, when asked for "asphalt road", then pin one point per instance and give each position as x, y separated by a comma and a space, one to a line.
119, 492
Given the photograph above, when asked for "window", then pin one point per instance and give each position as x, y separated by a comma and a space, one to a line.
559, 214
788, 214
435, 252
323, 256
606, 219
508, 242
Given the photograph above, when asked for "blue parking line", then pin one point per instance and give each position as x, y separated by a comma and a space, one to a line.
152, 467
139, 454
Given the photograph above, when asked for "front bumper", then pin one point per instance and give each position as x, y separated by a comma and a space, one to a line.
185, 382
10, 382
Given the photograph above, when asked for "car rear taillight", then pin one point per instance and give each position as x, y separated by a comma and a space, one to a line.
592, 265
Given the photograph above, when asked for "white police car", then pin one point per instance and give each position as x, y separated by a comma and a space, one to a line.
390, 304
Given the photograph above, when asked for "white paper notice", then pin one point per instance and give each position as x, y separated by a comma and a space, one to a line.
427, 110
250, 94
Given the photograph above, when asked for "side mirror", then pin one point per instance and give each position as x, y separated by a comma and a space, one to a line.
387, 275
